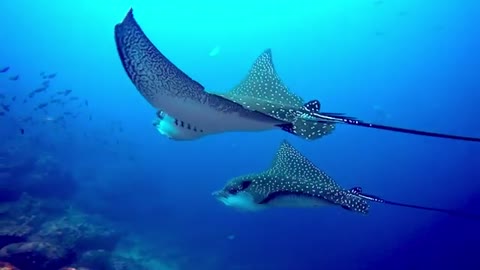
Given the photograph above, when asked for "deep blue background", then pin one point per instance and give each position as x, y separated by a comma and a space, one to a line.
406, 63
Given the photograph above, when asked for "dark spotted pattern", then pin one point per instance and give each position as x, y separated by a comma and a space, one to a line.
293, 174
149, 70
160, 81
312, 106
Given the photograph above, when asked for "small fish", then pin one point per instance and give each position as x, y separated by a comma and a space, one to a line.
294, 181
22, 131
41, 106
5, 107
27, 119
64, 92
60, 92
2, 96
39, 90
215, 51
86, 102
14, 78
73, 98
49, 119
53, 75
5, 69
90, 118
46, 83
14, 98
56, 100
2, 113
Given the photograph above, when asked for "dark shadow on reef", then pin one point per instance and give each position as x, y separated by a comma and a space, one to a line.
40, 228
38, 174
41, 234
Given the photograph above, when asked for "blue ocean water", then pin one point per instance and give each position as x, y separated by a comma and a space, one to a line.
403, 63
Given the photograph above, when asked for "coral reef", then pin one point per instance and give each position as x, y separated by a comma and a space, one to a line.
36, 235
36, 255
41, 228
122, 263
38, 174
7, 266
11, 232
79, 232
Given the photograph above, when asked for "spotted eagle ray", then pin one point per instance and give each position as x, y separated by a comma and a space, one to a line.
294, 181
264, 91
186, 111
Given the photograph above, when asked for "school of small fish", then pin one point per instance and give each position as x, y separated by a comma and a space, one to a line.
48, 105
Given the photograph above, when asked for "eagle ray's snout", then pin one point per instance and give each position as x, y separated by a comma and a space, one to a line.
218, 194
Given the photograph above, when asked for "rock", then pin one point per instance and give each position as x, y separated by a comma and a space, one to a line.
28, 211
7, 266
39, 184
104, 260
79, 233
95, 259
36, 255
20, 171
4, 208
10, 232
99, 238
122, 263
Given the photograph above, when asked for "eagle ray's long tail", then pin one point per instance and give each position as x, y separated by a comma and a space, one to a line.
311, 112
358, 192
338, 118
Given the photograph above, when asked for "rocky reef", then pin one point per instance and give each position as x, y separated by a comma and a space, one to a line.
39, 174
7, 266
46, 235
42, 226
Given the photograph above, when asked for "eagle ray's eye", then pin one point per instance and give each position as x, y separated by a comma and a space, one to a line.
245, 185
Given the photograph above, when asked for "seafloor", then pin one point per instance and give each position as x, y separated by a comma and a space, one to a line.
41, 228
